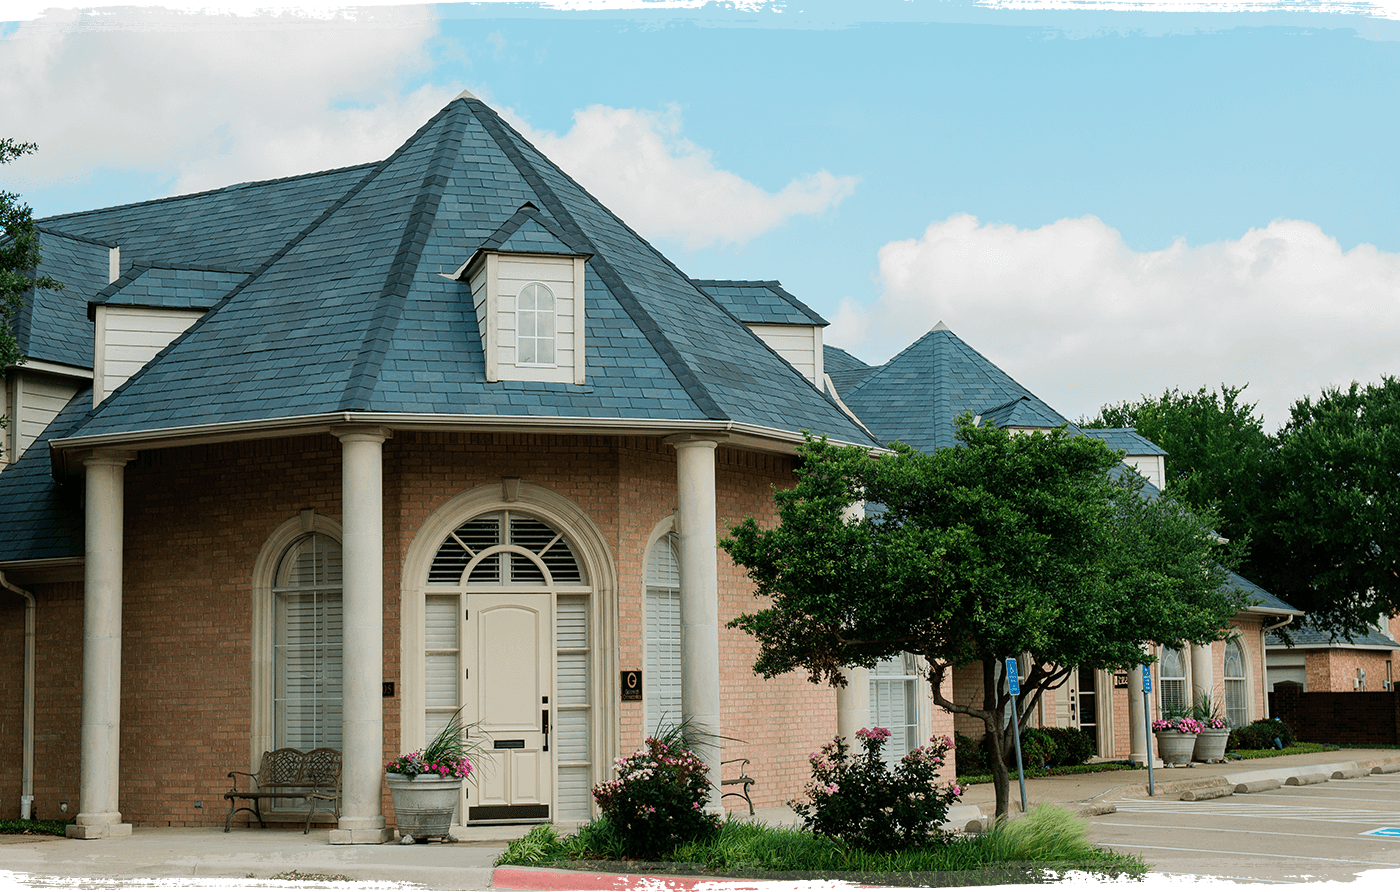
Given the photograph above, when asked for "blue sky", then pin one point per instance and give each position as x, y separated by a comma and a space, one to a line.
1106, 203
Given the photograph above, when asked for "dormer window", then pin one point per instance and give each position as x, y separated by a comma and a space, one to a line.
534, 325
529, 310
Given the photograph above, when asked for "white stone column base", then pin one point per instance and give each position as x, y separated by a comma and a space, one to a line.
97, 826
366, 831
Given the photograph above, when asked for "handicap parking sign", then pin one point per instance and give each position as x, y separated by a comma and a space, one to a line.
1383, 831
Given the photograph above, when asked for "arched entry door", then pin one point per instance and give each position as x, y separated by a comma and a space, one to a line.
506, 639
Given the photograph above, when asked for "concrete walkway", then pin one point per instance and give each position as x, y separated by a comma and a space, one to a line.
249, 858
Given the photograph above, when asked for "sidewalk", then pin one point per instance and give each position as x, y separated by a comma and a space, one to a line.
248, 858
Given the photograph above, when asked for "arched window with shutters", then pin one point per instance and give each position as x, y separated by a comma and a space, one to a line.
1171, 682
662, 678
306, 646
1236, 685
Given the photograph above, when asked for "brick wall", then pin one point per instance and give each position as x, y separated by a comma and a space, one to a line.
1334, 669
1335, 717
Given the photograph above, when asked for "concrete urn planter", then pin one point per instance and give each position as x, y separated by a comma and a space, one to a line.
1175, 748
424, 804
1210, 745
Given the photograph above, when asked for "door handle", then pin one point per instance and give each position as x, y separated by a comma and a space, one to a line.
544, 726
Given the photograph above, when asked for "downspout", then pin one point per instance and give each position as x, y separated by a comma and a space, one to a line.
1262, 632
26, 783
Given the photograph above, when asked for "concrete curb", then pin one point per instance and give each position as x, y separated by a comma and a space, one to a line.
550, 879
1258, 786
1305, 780
1205, 793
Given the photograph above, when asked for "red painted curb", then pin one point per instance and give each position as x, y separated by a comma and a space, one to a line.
547, 879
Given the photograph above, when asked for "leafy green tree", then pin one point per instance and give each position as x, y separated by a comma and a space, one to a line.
1027, 546
19, 257
1326, 533
1216, 447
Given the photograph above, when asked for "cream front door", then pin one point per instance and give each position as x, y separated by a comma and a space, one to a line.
508, 689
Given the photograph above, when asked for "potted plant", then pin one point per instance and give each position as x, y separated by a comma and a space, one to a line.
425, 785
1176, 739
1215, 731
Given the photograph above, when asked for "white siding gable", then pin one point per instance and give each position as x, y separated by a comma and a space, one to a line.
1150, 466
129, 337
32, 400
511, 325
800, 345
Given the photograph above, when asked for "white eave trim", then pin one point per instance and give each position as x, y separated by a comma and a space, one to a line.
53, 368
1269, 611
752, 436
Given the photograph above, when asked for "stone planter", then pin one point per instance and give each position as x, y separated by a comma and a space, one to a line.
423, 805
1175, 748
1210, 745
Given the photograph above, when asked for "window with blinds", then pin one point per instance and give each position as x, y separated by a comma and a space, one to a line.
572, 719
307, 687
1171, 682
1236, 689
662, 679
894, 704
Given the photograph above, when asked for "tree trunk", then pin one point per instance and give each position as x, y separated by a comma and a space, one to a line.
1001, 778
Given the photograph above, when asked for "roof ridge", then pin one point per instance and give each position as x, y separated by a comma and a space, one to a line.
248, 185
364, 374
684, 374
77, 238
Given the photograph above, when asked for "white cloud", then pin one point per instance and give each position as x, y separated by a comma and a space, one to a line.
208, 100
1082, 319
637, 163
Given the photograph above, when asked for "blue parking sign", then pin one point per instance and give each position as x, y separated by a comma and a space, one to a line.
1013, 677
1146, 680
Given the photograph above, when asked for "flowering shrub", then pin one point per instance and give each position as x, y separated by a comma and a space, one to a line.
1180, 725
658, 799
414, 764
857, 799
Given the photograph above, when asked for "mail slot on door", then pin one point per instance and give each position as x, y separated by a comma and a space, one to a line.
509, 745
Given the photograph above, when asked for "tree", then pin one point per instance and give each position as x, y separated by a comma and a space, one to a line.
1005, 546
1327, 530
19, 258
1216, 447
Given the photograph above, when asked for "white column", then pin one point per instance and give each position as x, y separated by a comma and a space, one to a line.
1203, 673
99, 769
695, 516
1137, 728
362, 758
853, 703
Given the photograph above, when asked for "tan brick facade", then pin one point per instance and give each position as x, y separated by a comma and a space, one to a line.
196, 519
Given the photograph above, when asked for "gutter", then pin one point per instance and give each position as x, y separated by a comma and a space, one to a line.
26, 784
1279, 625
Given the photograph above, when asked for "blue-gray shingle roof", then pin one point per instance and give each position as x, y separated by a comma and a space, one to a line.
1305, 635
1261, 598
168, 288
917, 397
1124, 439
53, 326
759, 302
40, 517
351, 313
844, 370
1023, 411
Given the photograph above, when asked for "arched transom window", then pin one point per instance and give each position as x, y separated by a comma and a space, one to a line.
505, 548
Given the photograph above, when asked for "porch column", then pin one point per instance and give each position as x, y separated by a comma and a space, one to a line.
853, 703
695, 516
99, 769
1203, 673
362, 509
1137, 730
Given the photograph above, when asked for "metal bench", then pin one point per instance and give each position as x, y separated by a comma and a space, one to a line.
288, 773
742, 778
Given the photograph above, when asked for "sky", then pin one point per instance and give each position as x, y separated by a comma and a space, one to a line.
1107, 199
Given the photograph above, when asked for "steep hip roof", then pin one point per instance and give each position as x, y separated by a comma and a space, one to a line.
353, 312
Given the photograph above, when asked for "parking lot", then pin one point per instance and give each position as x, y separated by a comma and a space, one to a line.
1291, 834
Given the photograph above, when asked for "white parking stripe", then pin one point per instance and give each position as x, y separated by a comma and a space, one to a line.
1119, 847
1351, 836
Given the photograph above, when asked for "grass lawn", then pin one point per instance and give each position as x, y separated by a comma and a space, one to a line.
1047, 843
1091, 768
1286, 751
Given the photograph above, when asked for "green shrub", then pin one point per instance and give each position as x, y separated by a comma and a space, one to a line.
969, 755
657, 801
1261, 735
860, 801
1073, 746
1037, 749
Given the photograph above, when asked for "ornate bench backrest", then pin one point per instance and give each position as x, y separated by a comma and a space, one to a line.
281, 767
321, 768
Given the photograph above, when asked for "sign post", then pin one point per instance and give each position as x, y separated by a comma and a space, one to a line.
1147, 723
1014, 681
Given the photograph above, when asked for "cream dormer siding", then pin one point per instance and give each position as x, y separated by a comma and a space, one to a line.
127, 338
1150, 466
800, 345
530, 313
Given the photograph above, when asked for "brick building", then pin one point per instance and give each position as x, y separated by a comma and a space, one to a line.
317, 461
